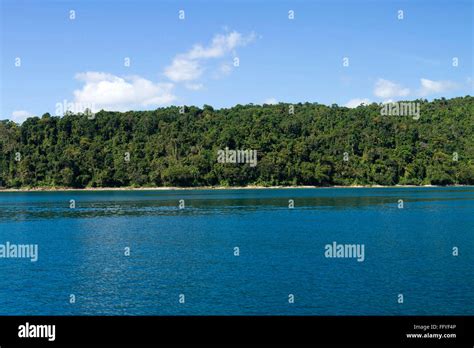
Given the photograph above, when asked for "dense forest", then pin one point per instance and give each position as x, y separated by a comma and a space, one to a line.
296, 144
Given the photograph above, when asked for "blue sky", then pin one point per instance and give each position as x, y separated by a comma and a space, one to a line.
191, 61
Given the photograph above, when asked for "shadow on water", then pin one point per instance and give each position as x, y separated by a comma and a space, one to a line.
15, 206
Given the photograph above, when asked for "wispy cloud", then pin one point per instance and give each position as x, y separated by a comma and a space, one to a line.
470, 83
190, 66
388, 89
425, 61
182, 69
429, 87
111, 92
223, 70
270, 101
353, 103
19, 116
194, 86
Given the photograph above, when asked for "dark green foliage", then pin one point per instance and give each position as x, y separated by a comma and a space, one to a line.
307, 148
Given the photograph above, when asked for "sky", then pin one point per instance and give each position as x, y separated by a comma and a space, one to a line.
141, 55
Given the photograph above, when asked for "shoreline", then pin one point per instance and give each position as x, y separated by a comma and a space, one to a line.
173, 188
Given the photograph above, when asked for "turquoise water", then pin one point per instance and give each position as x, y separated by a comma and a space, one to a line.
190, 251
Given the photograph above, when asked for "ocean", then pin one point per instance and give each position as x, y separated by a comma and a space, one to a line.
321, 251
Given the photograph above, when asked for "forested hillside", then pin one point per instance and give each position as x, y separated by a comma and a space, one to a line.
167, 148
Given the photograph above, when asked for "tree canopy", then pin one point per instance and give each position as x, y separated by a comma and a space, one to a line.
315, 145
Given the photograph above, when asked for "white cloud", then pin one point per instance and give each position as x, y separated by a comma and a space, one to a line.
270, 101
221, 45
224, 69
182, 69
194, 86
388, 89
189, 66
19, 116
429, 87
111, 92
353, 103
106, 91
425, 61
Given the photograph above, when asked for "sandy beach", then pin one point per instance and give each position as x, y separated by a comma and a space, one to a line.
169, 188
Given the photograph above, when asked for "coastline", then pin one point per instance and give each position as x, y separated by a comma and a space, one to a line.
173, 188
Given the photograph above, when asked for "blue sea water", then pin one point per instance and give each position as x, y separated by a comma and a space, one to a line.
190, 251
